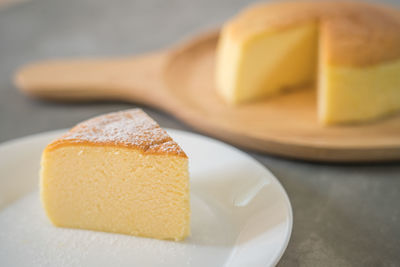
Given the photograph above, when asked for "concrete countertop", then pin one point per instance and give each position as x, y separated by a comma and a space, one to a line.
344, 215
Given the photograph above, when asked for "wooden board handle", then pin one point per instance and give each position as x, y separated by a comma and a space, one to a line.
138, 79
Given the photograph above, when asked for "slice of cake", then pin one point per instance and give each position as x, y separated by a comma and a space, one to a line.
117, 173
352, 49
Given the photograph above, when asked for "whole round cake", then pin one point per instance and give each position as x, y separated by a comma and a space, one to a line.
351, 50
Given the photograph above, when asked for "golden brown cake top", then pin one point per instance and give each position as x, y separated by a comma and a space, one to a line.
354, 33
131, 129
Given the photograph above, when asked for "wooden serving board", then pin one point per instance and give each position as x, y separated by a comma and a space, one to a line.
181, 81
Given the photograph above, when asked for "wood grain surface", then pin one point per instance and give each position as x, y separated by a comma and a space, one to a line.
181, 81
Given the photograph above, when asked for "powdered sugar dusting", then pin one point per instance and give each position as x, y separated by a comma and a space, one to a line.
131, 128
28, 239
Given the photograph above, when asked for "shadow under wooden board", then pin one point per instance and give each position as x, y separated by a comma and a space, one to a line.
180, 81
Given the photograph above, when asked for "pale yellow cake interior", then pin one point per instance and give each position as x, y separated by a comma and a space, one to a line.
351, 51
116, 189
267, 62
348, 94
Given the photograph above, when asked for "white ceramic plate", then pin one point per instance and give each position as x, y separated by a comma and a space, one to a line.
241, 215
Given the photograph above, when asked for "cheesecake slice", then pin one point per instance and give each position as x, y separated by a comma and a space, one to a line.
350, 50
118, 173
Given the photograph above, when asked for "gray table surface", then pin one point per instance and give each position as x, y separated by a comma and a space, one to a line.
344, 215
